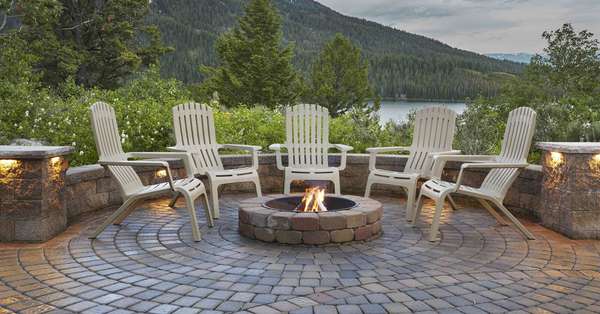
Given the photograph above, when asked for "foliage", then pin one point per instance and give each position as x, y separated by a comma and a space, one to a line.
255, 69
563, 88
97, 43
339, 79
400, 63
143, 109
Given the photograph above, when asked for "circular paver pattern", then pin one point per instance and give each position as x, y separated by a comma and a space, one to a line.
362, 222
150, 264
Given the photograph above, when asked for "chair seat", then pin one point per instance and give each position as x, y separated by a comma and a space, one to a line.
237, 175
237, 172
435, 188
390, 174
324, 170
191, 186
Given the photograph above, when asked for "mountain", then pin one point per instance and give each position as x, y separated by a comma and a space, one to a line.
520, 57
401, 64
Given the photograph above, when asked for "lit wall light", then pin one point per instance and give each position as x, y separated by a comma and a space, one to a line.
7, 164
556, 159
162, 173
55, 161
8, 170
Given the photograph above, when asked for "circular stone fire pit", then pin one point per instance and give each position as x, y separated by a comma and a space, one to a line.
273, 219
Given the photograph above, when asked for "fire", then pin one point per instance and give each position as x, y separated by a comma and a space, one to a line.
312, 201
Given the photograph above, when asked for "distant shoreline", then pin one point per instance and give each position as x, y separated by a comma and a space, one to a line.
455, 101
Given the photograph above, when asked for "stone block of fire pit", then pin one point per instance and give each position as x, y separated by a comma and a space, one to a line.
358, 223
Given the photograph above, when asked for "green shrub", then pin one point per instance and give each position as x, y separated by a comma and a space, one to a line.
143, 109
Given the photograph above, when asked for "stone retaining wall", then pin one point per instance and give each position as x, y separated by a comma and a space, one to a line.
91, 188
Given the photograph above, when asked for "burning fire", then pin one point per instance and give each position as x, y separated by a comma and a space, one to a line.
312, 201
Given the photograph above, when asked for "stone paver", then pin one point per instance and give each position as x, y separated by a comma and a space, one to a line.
150, 264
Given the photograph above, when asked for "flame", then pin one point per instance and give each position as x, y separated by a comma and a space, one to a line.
312, 201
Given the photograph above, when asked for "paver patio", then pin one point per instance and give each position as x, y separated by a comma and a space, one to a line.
150, 264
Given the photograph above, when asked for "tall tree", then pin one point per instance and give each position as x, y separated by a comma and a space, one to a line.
340, 77
572, 61
255, 67
95, 42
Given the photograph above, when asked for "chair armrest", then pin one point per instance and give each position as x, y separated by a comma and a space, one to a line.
251, 148
142, 163
446, 153
176, 149
185, 156
341, 147
343, 150
373, 151
439, 161
486, 165
277, 148
469, 158
378, 150
437, 172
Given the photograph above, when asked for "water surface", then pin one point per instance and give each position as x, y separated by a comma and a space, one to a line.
397, 110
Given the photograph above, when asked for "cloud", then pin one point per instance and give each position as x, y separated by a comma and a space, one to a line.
478, 25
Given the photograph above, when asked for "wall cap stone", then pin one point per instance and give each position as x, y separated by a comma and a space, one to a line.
570, 147
33, 152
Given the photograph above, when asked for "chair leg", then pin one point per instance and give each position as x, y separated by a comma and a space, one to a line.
452, 202
493, 212
514, 220
214, 196
417, 211
174, 200
336, 185
368, 187
258, 189
128, 203
125, 213
286, 185
410, 201
194, 220
208, 211
435, 224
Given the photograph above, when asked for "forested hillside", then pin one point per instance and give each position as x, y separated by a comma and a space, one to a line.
401, 64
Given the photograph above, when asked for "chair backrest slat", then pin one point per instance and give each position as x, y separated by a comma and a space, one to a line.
195, 132
433, 132
518, 136
108, 145
307, 136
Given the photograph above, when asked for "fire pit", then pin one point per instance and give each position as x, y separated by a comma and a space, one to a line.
312, 218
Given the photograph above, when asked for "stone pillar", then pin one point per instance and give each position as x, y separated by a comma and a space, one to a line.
570, 200
32, 184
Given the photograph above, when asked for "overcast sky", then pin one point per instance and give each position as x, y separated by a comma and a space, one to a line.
483, 26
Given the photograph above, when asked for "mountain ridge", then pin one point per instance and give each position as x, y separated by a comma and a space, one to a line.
520, 57
402, 64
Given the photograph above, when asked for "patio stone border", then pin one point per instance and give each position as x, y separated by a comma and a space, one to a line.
356, 224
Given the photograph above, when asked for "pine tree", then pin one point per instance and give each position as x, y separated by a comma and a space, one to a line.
340, 78
95, 42
255, 68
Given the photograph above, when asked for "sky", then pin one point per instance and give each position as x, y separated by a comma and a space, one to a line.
484, 26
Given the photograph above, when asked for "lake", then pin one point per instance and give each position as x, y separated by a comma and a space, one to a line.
398, 110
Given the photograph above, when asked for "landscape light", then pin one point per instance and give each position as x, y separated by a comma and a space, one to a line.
161, 173
556, 158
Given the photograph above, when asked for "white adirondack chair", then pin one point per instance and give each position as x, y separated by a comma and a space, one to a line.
504, 170
112, 156
307, 144
195, 133
433, 135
